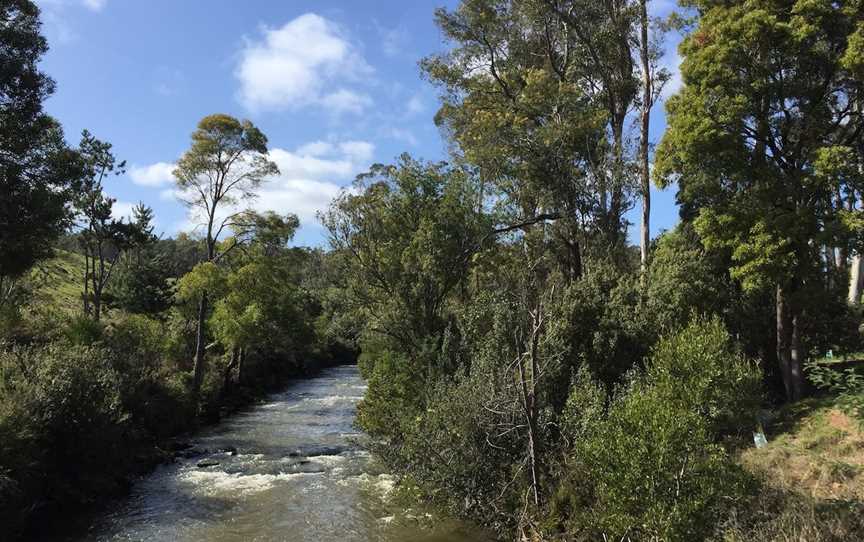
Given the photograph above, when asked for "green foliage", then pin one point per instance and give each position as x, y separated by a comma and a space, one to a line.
700, 369
653, 467
405, 241
62, 425
843, 380
206, 277
141, 286
685, 279
610, 332
82, 331
225, 165
38, 169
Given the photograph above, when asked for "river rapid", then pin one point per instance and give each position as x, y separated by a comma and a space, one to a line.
290, 469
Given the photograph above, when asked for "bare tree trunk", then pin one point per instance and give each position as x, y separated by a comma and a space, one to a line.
241, 358
198, 368
789, 345
855, 277
830, 266
841, 255
85, 296
616, 200
226, 377
647, 99
796, 357
528, 386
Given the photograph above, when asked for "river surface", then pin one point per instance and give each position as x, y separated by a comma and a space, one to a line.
298, 474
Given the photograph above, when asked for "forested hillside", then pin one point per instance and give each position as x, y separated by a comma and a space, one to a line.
528, 367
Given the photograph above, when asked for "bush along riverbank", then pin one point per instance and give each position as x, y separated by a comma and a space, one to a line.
79, 422
87, 405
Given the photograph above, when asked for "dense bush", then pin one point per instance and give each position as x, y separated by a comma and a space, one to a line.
654, 467
63, 429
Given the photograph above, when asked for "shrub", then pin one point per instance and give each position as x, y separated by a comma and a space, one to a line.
82, 330
653, 467
846, 382
63, 430
701, 370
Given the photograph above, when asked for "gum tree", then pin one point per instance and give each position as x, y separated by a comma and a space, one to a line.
224, 167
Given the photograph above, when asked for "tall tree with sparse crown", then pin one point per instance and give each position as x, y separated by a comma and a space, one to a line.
225, 165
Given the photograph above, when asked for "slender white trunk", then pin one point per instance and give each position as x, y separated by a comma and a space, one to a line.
855, 280
647, 98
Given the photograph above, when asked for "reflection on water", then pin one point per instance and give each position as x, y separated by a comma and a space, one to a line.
285, 470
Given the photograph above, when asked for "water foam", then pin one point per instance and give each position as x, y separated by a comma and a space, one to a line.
215, 482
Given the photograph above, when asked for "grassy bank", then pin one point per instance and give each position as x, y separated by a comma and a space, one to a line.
813, 474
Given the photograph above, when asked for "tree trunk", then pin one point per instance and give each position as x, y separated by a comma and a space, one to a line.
85, 296
528, 385
226, 377
241, 358
789, 345
647, 99
830, 266
198, 368
855, 280
796, 356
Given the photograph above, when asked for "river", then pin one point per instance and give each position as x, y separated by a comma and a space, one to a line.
297, 475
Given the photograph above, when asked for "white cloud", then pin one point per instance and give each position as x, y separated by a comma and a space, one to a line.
122, 210
403, 135
346, 101
95, 5
294, 67
303, 197
358, 151
309, 178
394, 41
415, 105
158, 174
315, 148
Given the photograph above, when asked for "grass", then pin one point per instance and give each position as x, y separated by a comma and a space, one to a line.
815, 449
813, 475
58, 282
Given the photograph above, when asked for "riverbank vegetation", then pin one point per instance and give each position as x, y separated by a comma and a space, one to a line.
112, 340
531, 370
527, 367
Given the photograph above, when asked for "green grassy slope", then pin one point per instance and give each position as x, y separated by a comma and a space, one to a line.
58, 282
813, 470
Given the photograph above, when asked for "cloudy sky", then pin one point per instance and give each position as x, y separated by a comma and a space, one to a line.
334, 85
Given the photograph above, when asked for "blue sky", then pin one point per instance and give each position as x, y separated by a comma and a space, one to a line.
334, 85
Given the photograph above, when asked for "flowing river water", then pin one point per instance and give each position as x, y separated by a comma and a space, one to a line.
297, 475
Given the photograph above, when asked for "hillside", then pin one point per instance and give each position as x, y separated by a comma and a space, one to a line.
57, 282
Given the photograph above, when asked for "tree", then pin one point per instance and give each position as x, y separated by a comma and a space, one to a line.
536, 95
102, 238
768, 103
36, 166
140, 285
653, 79
405, 240
225, 165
